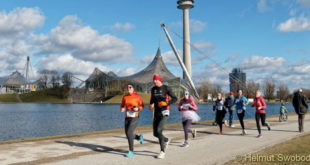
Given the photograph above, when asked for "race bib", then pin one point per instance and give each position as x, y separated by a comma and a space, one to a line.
240, 110
165, 112
131, 114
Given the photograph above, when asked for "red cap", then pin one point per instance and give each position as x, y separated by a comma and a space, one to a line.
231, 93
156, 77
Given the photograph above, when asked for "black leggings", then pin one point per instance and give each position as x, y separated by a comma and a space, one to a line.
219, 118
241, 116
130, 126
261, 116
158, 127
186, 124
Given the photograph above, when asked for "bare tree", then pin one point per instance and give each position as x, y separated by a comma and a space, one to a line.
282, 92
67, 79
43, 79
269, 89
54, 78
216, 89
204, 88
251, 88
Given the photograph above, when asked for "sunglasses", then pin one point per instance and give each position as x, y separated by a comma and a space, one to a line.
129, 87
186, 93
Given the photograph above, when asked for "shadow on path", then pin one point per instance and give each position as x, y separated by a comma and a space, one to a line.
97, 148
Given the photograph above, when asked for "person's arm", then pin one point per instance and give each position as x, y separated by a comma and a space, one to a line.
122, 107
173, 98
180, 105
305, 102
263, 103
152, 101
141, 104
193, 105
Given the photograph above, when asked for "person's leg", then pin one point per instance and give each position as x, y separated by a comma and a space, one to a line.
159, 132
257, 116
130, 131
222, 116
302, 117
184, 123
264, 123
219, 120
231, 117
240, 116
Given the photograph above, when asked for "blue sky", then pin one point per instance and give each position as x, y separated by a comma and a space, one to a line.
269, 39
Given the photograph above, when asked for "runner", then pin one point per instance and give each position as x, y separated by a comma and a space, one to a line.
241, 103
260, 105
161, 97
187, 107
218, 106
230, 106
131, 105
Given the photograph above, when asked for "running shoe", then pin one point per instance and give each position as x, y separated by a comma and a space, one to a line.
130, 154
141, 139
161, 155
185, 144
194, 133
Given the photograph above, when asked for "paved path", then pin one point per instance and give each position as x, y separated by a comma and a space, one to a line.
105, 149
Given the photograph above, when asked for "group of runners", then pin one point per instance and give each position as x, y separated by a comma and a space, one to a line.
162, 97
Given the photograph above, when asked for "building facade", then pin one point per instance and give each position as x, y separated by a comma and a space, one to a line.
237, 80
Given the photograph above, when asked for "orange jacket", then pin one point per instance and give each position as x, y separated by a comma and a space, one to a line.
130, 101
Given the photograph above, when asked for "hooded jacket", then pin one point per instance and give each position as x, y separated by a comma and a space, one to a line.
300, 103
130, 101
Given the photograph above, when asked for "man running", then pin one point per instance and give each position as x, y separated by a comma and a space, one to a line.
161, 97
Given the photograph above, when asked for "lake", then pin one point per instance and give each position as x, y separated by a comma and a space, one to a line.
27, 120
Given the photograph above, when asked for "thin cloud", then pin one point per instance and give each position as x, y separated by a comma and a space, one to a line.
122, 27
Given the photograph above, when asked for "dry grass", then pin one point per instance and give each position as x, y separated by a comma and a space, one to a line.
291, 149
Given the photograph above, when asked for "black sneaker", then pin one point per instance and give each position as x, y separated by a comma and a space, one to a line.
268, 126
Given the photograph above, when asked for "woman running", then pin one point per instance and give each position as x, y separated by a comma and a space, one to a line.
131, 105
218, 106
260, 105
187, 107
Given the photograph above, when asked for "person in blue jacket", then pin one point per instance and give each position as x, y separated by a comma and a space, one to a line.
241, 103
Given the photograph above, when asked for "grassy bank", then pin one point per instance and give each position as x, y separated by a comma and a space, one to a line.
283, 153
46, 96
118, 98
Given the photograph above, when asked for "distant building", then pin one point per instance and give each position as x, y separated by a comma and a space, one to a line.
16, 83
237, 80
142, 81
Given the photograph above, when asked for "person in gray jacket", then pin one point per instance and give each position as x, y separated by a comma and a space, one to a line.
301, 107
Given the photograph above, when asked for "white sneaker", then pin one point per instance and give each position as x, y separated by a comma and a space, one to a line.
232, 126
194, 133
161, 155
185, 144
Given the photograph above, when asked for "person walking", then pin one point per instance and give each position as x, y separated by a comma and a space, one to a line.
131, 105
187, 108
230, 106
260, 114
241, 102
300, 105
161, 97
218, 106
